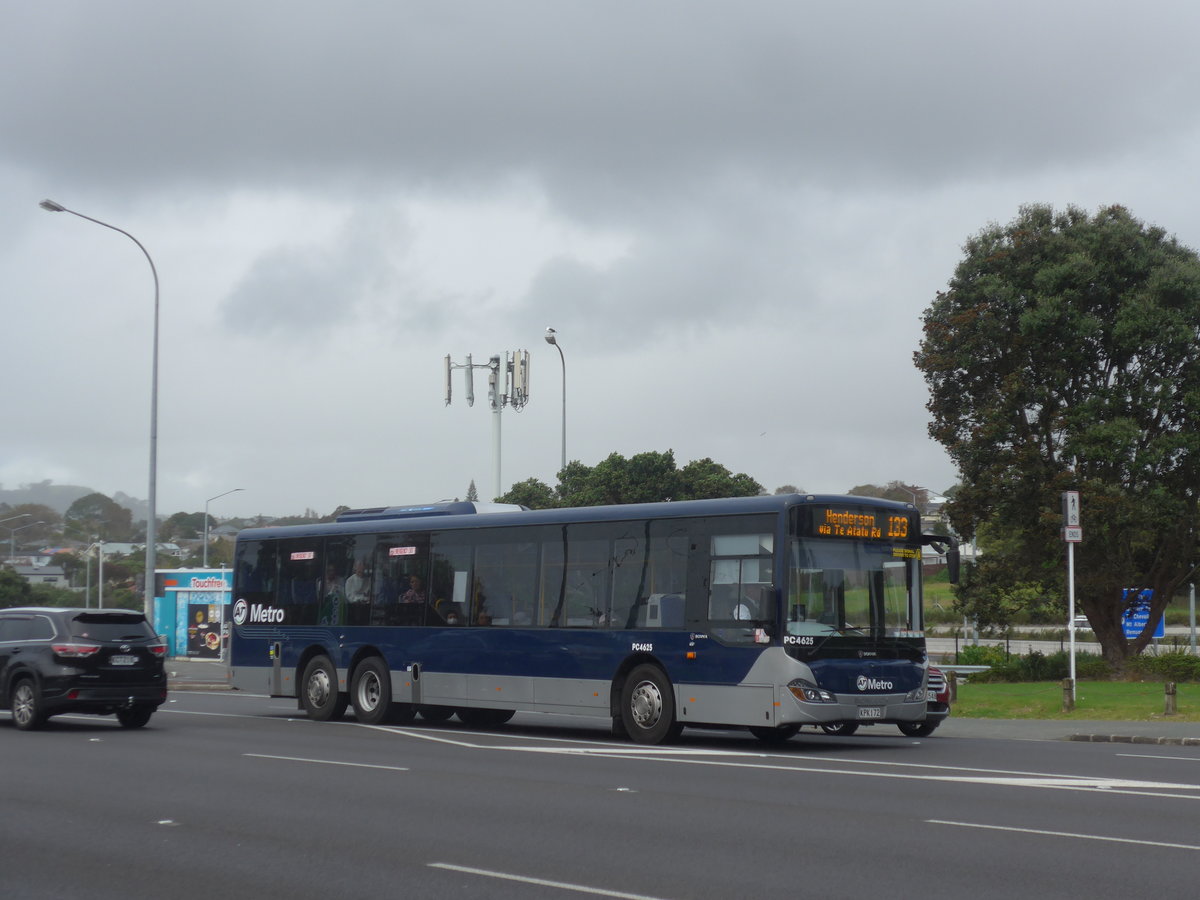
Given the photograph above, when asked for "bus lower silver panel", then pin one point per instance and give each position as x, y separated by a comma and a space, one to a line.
738, 704
562, 695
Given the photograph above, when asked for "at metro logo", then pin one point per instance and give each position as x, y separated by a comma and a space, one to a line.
243, 612
873, 684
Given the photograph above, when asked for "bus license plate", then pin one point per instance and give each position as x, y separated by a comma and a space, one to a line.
122, 660
870, 712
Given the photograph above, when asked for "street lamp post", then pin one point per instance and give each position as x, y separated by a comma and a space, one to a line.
14, 518
12, 536
151, 518
206, 502
552, 338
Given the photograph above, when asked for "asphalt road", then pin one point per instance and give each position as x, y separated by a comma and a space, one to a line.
226, 795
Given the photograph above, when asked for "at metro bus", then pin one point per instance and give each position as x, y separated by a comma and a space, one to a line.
768, 613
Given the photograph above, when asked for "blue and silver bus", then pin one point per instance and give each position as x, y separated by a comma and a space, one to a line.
768, 613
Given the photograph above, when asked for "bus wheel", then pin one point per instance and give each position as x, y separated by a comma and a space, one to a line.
917, 729
484, 718
319, 693
435, 713
648, 706
371, 692
840, 729
775, 735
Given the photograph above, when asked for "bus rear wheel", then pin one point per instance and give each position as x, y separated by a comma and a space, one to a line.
318, 691
371, 692
484, 718
435, 713
648, 706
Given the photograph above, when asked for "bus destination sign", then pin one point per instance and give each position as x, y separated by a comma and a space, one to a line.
859, 522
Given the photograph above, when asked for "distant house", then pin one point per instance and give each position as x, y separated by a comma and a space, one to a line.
52, 575
120, 548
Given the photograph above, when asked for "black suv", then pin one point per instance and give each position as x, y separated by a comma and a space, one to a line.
98, 661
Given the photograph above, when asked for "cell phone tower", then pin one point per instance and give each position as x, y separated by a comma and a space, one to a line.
508, 385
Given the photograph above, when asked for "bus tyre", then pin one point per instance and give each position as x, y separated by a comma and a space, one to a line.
318, 691
840, 729
435, 713
371, 692
776, 735
474, 717
648, 706
917, 729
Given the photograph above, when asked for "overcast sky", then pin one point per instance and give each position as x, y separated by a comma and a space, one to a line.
734, 215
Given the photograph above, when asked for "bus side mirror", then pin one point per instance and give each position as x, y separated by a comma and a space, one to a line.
948, 546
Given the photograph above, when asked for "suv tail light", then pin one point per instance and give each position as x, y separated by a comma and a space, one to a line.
74, 651
159, 650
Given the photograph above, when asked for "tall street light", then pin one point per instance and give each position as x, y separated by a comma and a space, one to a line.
206, 502
14, 518
152, 517
551, 338
12, 537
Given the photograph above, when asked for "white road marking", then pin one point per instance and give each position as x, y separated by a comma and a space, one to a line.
867, 768
1153, 756
542, 882
326, 762
1065, 834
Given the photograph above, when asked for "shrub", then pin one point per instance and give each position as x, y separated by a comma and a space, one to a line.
1173, 666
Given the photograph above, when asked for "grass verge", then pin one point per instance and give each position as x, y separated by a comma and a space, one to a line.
1117, 700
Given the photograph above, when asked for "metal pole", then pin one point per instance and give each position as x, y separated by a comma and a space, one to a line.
552, 338
100, 574
152, 516
1071, 610
1192, 614
206, 502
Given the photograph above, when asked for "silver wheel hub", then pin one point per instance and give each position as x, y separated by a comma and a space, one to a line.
646, 704
319, 688
369, 691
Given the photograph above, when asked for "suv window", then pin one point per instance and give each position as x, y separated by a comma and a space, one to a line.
14, 629
99, 626
40, 629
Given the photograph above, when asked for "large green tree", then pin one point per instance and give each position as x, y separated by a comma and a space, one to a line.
1065, 355
642, 478
96, 515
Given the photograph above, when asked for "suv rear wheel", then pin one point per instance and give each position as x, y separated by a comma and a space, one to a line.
26, 705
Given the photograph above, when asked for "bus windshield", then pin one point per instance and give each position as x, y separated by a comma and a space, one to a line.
850, 587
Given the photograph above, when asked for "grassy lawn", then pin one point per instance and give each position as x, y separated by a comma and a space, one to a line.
1117, 700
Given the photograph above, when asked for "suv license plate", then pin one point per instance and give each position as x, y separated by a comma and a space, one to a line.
870, 712
122, 660
931, 696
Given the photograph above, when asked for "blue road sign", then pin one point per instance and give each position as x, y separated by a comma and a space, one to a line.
1136, 616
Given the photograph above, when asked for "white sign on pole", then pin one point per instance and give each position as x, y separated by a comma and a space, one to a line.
1070, 503
1072, 534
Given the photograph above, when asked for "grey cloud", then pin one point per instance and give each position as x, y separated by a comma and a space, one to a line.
607, 104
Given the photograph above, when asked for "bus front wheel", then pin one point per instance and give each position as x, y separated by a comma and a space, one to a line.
648, 706
840, 729
776, 735
318, 691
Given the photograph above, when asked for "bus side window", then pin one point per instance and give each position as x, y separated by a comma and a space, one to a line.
300, 578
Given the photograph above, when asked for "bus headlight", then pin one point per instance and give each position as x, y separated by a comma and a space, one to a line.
808, 692
916, 694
